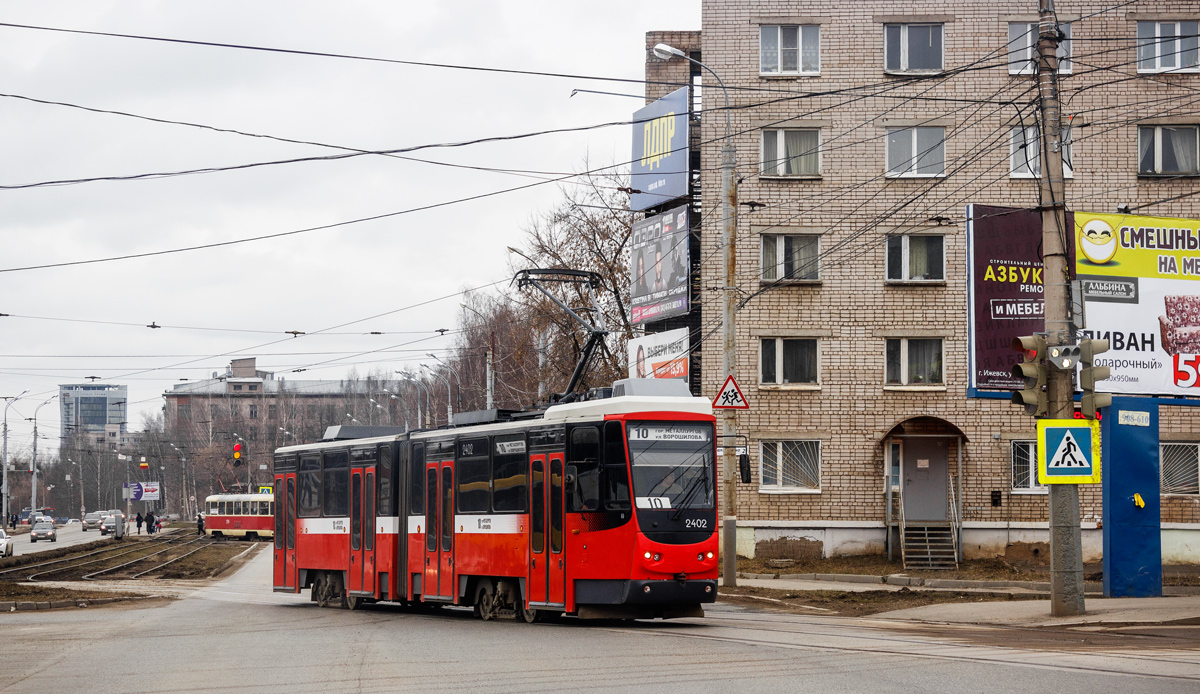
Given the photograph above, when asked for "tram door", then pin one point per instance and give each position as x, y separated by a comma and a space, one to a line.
547, 561
355, 578
285, 532
369, 524
439, 531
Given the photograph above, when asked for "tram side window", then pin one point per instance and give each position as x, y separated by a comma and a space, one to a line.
335, 488
583, 469
383, 506
510, 465
308, 482
264, 508
237, 508
616, 472
416, 497
224, 508
474, 476
214, 508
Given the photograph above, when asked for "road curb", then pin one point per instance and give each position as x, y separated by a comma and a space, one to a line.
921, 582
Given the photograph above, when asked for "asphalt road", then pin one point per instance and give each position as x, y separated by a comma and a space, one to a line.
236, 635
67, 535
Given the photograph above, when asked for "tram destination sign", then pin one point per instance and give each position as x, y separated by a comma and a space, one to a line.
643, 432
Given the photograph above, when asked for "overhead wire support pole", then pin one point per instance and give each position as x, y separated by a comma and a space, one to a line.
1066, 547
729, 200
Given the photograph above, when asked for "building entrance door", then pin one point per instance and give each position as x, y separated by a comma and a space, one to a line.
924, 473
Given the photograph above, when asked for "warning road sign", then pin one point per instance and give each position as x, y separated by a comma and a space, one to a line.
730, 397
1068, 451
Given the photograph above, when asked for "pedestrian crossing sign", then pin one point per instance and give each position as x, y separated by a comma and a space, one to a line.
1068, 451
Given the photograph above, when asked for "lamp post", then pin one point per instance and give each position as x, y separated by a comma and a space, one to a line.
428, 416
33, 463
449, 402
457, 378
728, 324
491, 377
4, 484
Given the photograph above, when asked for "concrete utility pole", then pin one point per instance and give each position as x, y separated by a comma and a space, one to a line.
33, 463
1066, 546
4, 484
728, 323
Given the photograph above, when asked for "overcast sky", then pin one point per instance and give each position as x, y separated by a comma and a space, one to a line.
310, 281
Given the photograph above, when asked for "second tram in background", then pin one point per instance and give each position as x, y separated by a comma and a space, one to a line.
604, 508
247, 516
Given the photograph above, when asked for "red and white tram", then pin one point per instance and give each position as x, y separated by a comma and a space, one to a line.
604, 508
239, 515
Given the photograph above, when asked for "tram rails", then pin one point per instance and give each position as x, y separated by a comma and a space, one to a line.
171, 546
121, 549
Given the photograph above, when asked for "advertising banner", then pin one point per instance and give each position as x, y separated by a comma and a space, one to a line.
1004, 287
659, 267
143, 491
662, 355
660, 151
1141, 292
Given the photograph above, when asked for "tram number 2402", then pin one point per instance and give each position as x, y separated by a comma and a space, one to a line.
696, 523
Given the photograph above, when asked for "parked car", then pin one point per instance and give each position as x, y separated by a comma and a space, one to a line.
92, 520
43, 530
6, 545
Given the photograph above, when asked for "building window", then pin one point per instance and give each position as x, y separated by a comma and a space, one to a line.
912, 361
790, 257
916, 258
787, 360
113, 434
1180, 468
790, 465
254, 412
272, 412
1024, 467
789, 50
237, 387
916, 152
791, 152
1023, 48
253, 386
310, 411
895, 449
912, 47
1168, 47
212, 412
1026, 152
1168, 149
185, 412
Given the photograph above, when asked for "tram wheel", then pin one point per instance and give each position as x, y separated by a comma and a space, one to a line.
529, 616
353, 602
485, 600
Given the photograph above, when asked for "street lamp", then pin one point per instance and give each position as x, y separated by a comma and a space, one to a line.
428, 416
33, 463
728, 324
457, 379
449, 402
4, 484
491, 378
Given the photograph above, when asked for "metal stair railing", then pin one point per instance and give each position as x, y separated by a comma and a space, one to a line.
955, 523
903, 539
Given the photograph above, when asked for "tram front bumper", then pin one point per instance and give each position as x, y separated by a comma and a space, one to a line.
643, 592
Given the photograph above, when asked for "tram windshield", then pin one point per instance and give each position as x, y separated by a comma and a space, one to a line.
672, 465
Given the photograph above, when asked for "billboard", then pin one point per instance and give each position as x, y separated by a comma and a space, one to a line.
143, 491
661, 355
660, 265
659, 172
1004, 290
1141, 289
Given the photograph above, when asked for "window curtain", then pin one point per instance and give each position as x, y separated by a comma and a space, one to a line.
770, 259
1146, 149
800, 152
925, 361
800, 257
1181, 141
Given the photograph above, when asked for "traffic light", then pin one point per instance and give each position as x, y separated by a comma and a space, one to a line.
1089, 374
237, 453
1064, 357
1033, 371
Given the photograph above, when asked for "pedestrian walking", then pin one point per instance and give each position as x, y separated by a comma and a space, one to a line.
200, 524
149, 522
138, 520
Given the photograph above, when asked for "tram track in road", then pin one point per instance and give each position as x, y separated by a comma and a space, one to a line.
859, 640
121, 549
67, 565
170, 546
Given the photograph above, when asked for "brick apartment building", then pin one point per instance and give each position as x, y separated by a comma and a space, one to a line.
862, 131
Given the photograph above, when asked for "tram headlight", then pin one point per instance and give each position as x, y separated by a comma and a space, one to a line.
648, 555
710, 555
